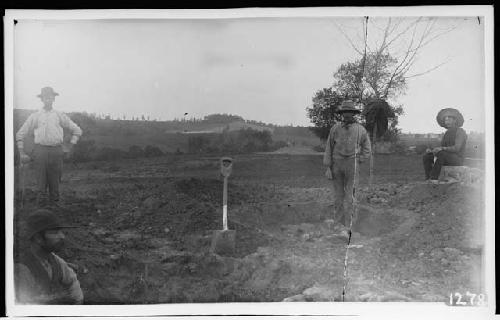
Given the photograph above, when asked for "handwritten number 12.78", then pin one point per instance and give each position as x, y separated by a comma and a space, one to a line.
469, 299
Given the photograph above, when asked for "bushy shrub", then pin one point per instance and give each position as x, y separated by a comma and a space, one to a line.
250, 140
198, 144
135, 152
108, 154
400, 148
152, 151
278, 145
83, 151
319, 148
246, 140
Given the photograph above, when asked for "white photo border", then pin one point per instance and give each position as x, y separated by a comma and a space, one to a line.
382, 310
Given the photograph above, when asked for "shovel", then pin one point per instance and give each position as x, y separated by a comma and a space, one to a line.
223, 241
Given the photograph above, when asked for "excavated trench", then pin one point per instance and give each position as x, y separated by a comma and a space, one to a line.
145, 234
284, 249
280, 252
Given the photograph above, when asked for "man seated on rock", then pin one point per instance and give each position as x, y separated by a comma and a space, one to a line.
42, 277
451, 152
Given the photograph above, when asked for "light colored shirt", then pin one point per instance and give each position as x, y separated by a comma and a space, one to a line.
26, 283
344, 141
48, 128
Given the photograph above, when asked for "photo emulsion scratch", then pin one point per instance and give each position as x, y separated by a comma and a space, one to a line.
261, 159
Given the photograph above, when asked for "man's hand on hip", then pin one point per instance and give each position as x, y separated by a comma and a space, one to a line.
24, 157
68, 151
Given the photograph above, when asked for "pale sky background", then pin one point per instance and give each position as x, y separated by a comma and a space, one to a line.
264, 69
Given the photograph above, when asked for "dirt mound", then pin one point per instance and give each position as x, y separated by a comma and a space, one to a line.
447, 213
443, 240
210, 190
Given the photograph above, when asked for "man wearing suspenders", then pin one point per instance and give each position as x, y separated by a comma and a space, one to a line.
41, 276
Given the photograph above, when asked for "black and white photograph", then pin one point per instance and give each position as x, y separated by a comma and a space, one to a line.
333, 161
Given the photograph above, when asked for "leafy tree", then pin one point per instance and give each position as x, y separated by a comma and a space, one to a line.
389, 49
372, 91
323, 111
135, 152
381, 70
152, 151
222, 118
369, 78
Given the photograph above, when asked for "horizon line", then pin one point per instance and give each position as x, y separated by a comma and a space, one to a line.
231, 114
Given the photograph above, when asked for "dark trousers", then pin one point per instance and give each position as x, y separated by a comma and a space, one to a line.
48, 167
443, 158
344, 185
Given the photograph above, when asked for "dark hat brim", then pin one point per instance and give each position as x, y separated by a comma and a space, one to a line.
47, 94
449, 112
32, 232
349, 110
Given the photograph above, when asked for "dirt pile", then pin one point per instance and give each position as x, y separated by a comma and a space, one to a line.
442, 244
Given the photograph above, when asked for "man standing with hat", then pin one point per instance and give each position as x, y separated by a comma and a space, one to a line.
42, 277
47, 126
347, 143
451, 152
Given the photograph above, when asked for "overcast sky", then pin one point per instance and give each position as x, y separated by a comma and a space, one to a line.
264, 69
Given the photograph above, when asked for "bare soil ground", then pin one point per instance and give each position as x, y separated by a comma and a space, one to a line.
145, 228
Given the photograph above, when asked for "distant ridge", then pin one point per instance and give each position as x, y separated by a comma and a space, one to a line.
170, 135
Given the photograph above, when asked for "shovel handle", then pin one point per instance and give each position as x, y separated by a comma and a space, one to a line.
224, 205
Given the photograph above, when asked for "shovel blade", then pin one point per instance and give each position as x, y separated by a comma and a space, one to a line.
223, 242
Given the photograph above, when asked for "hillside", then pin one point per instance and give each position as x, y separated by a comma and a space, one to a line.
170, 136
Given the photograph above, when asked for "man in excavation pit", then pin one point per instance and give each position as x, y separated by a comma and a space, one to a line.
41, 276
347, 142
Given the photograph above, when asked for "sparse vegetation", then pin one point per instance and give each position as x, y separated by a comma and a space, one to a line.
135, 152
242, 141
152, 151
175, 136
83, 151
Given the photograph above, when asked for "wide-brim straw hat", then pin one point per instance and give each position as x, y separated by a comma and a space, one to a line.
449, 112
41, 220
348, 106
47, 91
